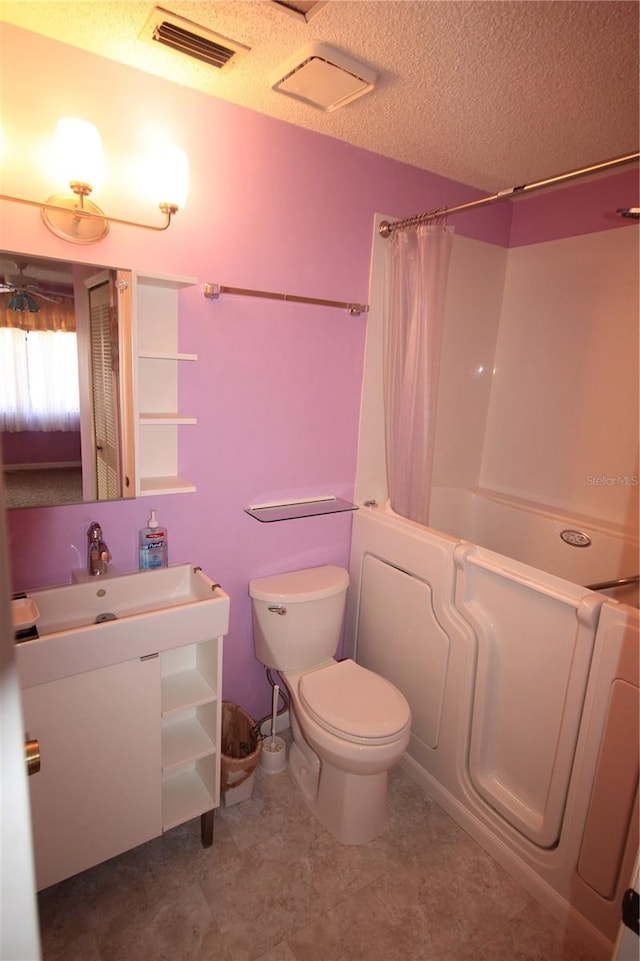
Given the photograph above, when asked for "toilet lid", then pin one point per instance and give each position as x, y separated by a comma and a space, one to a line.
351, 701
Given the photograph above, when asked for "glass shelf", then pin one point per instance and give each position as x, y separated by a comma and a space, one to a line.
267, 513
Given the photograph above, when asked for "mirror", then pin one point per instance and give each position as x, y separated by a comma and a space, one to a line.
63, 409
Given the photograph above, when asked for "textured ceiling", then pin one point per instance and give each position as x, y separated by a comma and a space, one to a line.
493, 93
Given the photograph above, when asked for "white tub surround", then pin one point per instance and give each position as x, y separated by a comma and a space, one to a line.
520, 684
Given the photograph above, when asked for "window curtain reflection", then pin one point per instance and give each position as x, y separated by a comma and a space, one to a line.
38, 380
49, 316
416, 268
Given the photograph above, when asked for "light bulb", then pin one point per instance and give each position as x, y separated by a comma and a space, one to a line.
169, 176
78, 152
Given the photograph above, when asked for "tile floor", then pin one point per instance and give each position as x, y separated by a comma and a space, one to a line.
276, 887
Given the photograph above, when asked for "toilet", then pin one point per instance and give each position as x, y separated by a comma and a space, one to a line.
349, 725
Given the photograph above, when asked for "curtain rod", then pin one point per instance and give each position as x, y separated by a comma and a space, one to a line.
213, 291
386, 229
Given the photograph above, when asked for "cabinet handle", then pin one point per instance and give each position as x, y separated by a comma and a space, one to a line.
147, 657
32, 756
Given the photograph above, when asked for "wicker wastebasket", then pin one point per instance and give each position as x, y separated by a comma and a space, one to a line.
240, 750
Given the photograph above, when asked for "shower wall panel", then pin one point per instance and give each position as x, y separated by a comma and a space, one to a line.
565, 392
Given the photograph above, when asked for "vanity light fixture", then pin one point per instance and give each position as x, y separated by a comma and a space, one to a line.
79, 160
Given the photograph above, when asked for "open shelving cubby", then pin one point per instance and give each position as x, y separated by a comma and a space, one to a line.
191, 728
158, 362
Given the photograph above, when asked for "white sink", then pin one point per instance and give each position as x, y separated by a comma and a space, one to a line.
107, 620
77, 605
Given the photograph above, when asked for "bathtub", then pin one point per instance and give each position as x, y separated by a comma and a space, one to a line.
543, 537
523, 686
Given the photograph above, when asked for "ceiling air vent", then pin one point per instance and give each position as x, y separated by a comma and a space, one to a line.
192, 40
324, 77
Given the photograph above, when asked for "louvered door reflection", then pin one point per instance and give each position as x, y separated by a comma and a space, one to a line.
104, 363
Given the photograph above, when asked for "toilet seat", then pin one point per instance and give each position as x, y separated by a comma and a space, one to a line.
354, 703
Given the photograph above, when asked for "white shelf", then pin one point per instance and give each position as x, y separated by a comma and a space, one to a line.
170, 281
150, 486
184, 741
188, 688
165, 355
291, 510
183, 797
166, 418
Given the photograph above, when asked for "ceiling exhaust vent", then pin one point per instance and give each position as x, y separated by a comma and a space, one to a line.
192, 40
324, 77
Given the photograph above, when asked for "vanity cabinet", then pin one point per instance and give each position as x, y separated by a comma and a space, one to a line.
157, 365
127, 713
97, 793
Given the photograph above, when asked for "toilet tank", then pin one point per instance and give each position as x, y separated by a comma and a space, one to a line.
297, 617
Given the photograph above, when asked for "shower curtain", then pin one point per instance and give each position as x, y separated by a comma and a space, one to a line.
416, 268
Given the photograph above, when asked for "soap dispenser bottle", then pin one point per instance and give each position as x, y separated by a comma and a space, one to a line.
153, 545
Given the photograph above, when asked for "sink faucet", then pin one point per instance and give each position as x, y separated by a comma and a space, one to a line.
98, 555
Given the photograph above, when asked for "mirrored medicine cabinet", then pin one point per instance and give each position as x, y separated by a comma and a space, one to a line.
126, 329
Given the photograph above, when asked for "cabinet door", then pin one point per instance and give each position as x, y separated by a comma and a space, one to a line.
98, 792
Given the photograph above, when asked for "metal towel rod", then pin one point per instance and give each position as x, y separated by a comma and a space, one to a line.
618, 582
213, 291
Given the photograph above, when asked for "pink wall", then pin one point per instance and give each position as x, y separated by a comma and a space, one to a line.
582, 207
277, 386
40, 447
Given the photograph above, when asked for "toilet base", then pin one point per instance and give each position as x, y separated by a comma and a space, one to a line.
305, 770
352, 807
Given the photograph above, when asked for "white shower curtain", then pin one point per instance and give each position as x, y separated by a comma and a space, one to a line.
416, 268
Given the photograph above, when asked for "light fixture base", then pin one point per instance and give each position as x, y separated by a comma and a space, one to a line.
68, 219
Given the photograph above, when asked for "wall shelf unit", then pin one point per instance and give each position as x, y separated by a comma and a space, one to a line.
158, 363
292, 510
